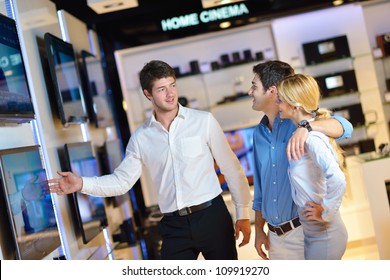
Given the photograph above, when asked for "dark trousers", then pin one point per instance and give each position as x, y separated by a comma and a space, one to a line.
209, 231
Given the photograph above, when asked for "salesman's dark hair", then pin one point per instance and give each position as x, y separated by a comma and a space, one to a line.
154, 70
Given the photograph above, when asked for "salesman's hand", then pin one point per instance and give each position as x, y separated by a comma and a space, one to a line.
245, 227
69, 183
296, 144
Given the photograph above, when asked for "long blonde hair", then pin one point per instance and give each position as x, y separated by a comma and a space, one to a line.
302, 91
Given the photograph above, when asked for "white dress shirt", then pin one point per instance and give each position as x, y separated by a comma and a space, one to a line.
180, 163
317, 176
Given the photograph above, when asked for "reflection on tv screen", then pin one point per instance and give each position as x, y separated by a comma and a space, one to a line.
90, 207
241, 142
29, 203
89, 210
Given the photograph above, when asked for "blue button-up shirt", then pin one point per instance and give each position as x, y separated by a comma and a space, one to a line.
272, 188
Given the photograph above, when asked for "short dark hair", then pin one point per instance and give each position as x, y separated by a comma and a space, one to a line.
272, 72
154, 70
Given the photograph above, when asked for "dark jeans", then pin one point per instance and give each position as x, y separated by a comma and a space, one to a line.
209, 231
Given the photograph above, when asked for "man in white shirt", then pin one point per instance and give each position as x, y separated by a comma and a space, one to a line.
178, 146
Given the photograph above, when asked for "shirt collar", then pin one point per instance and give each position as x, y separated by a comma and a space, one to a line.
182, 113
265, 121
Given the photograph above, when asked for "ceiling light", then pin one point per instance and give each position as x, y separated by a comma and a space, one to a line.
214, 3
225, 24
107, 6
338, 2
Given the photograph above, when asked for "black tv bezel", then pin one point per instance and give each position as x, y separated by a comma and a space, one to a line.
4, 190
51, 41
349, 83
313, 56
73, 198
92, 108
17, 117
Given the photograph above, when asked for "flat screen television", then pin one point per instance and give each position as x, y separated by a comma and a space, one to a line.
111, 156
15, 98
241, 142
28, 202
97, 97
326, 50
89, 211
353, 113
66, 81
337, 83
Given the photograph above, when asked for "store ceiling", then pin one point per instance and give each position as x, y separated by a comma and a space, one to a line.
142, 24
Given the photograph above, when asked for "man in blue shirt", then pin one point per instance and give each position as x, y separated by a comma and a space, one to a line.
275, 142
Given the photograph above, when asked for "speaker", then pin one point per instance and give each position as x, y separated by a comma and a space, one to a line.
225, 60
326, 50
215, 65
194, 65
248, 55
259, 56
388, 85
383, 42
337, 83
236, 58
367, 145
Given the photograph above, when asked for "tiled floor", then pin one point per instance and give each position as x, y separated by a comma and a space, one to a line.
362, 250
356, 250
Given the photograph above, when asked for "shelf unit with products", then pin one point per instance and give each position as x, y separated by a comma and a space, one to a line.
333, 66
383, 72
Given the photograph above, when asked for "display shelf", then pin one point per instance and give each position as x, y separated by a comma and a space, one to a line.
340, 100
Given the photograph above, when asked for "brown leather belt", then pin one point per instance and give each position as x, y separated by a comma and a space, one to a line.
286, 227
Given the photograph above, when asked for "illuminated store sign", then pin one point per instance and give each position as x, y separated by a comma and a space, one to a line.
204, 17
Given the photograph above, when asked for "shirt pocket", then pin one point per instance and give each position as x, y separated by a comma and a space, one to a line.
191, 146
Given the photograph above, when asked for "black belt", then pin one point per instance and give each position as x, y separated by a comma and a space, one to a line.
282, 229
189, 210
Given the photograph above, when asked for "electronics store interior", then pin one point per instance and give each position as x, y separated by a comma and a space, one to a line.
70, 99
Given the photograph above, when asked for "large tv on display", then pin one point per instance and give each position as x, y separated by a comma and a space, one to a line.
28, 202
241, 142
66, 81
111, 156
89, 211
15, 98
97, 97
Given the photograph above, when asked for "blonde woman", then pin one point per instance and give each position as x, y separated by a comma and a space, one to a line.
317, 179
